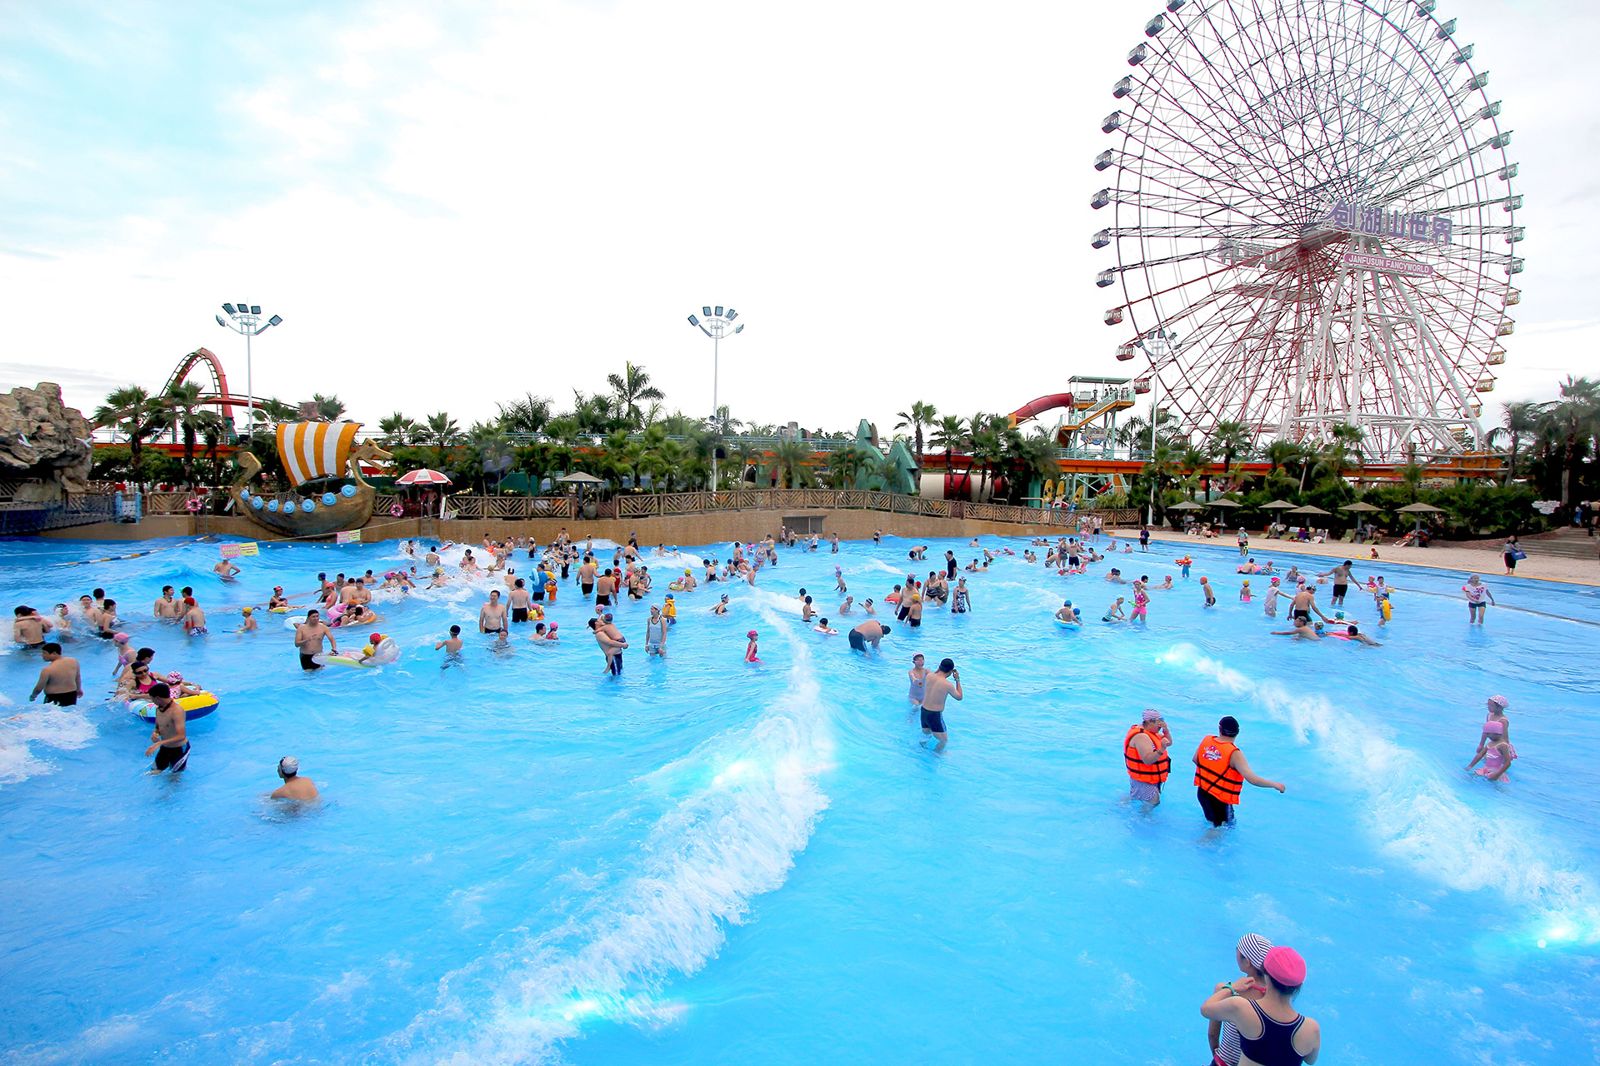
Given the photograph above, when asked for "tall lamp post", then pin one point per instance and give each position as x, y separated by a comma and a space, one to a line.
246, 318
717, 325
1159, 344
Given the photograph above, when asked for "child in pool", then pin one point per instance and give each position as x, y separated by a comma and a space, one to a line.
1244, 592
750, 655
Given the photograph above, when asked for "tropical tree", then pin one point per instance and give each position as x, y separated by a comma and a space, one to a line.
1570, 423
489, 448
329, 408
442, 433
1280, 454
189, 420
1229, 440
397, 429
627, 389
988, 446
1520, 423
1195, 462
843, 466
921, 414
950, 434
790, 460
137, 415
528, 415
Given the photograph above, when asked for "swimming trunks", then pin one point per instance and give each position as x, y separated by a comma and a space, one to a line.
857, 641
602, 601
309, 662
1303, 617
61, 699
586, 589
1216, 812
1145, 791
519, 614
933, 721
616, 664
916, 623
1339, 591
174, 759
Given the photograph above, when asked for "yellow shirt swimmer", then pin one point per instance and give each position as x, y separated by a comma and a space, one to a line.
669, 611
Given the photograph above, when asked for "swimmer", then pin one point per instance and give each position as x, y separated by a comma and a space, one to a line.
961, 600
168, 608
194, 619
1220, 771
492, 616
1301, 630
1068, 613
751, 650
1496, 728
1166, 584
838, 580
169, 740
1114, 612
249, 623
867, 606
806, 610
1342, 577
825, 629
1144, 756
869, 632
294, 787
1141, 603
1115, 577
1269, 606
60, 680
1478, 599
1353, 632
918, 675
849, 602
1211, 595
1244, 592
308, 638
655, 633
941, 684
226, 570
721, 605
28, 627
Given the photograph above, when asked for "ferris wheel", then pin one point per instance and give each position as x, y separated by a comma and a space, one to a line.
1313, 221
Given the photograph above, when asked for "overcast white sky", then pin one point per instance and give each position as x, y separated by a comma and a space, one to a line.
454, 204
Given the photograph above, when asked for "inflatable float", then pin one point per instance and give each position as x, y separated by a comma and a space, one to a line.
386, 652
197, 706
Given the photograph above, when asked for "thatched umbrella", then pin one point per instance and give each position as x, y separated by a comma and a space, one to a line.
1419, 509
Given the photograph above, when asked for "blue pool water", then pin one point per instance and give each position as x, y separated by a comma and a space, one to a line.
522, 860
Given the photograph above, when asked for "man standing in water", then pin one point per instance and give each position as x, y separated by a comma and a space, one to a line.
294, 786
950, 565
61, 681
169, 740
1220, 771
941, 684
308, 637
1341, 581
492, 616
869, 632
1144, 753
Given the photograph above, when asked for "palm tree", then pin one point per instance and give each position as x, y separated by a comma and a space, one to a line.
988, 446
489, 447
528, 415
790, 460
627, 389
442, 432
1520, 422
133, 411
189, 420
1279, 454
1228, 440
1195, 462
843, 466
950, 434
397, 429
1571, 422
329, 408
921, 414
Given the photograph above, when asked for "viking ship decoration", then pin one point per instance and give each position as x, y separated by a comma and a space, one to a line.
315, 456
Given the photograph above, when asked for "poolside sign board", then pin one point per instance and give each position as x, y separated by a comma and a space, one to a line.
234, 551
1388, 265
348, 536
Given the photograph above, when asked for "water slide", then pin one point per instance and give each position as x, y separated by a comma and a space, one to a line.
1042, 404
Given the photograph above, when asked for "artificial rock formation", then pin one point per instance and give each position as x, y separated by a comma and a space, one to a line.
44, 443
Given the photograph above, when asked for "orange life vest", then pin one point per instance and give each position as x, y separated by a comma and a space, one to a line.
1151, 773
1214, 771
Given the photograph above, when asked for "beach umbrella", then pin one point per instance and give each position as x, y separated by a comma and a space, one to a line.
1277, 505
1308, 509
1420, 509
423, 477
1186, 505
578, 477
1360, 507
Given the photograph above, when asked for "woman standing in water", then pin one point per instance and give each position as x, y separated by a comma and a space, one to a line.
1271, 1031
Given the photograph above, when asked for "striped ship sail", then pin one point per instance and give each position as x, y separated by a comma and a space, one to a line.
312, 450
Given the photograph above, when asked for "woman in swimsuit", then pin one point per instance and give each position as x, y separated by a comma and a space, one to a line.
919, 680
1271, 1031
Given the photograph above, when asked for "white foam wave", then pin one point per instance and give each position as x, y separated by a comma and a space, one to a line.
1416, 813
42, 727
732, 837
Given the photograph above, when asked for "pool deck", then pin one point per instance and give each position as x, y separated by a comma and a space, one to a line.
1483, 560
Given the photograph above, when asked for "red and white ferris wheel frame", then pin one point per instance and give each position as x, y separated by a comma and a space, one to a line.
1241, 128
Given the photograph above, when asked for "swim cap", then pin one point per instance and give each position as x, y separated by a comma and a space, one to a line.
247, 612
375, 639
1498, 701
669, 595
288, 766
1254, 948
277, 588
751, 634
1274, 581
1228, 726
687, 571
122, 638
174, 678
1285, 966
554, 626
1152, 715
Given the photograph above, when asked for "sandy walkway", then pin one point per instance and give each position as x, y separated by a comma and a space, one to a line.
1484, 560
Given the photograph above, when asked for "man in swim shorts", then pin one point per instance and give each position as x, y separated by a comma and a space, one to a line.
1341, 581
868, 632
1220, 770
169, 740
61, 681
308, 637
520, 600
941, 684
29, 627
492, 616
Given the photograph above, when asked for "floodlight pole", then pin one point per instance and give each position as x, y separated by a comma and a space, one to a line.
718, 324
247, 319
1161, 339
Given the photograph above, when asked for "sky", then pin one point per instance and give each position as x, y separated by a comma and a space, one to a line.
454, 205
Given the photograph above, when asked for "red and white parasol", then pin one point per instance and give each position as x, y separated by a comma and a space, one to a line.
423, 477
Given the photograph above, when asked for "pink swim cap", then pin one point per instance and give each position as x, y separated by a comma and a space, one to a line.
122, 638
1499, 701
1285, 966
751, 634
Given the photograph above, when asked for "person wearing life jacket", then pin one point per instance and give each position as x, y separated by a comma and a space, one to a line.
1220, 771
1144, 753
